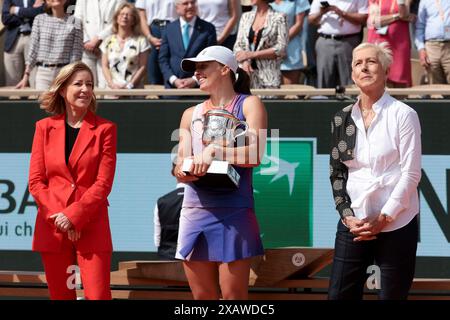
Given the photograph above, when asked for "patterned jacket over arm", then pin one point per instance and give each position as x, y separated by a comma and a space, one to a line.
343, 139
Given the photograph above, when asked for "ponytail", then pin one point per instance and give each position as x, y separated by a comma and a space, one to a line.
242, 84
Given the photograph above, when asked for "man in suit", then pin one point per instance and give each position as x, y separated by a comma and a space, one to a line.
97, 25
17, 16
184, 38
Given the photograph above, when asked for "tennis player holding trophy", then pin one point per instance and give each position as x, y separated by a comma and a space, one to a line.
221, 140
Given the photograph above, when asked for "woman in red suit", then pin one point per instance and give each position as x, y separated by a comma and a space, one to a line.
72, 167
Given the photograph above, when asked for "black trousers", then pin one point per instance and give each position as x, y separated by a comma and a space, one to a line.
393, 252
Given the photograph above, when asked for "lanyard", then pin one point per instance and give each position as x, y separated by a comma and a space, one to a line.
441, 11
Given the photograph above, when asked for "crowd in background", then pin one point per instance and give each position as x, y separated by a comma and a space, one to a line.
128, 44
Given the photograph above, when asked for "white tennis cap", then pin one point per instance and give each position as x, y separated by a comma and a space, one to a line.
220, 54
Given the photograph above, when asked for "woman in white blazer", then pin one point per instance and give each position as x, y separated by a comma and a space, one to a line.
97, 25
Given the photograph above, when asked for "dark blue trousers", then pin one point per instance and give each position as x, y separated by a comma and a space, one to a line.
393, 252
154, 74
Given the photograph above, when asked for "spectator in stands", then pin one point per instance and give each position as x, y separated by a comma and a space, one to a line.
72, 167
155, 16
309, 37
17, 17
340, 25
261, 44
433, 39
414, 7
388, 21
246, 5
166, 217
295, 14
96, 16
195, 33
125, 52
375, 169
218, 231
224, 15
56, 40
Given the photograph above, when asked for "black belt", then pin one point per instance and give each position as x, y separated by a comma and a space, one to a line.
25, 33
338, 36
50, 65
160, 23
438, 40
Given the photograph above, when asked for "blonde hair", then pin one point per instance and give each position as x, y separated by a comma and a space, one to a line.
136, 19
384, 53
52, 101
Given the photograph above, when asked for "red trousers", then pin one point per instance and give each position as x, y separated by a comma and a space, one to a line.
94, 270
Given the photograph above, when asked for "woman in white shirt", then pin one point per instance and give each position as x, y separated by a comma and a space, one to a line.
224, 15
375, 167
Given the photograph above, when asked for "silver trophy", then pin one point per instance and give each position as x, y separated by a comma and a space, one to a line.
222, 128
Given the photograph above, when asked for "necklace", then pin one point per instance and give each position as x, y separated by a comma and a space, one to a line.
367, 115
208, 105
365, 111
75, 125
223, 105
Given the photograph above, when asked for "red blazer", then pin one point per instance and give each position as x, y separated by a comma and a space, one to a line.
78, 189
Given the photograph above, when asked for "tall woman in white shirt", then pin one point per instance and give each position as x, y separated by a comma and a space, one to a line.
224, 15
375, 169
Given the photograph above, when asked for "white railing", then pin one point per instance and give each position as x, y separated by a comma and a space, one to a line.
303, 91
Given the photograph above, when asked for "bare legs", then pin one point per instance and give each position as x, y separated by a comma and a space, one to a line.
207, 279
291, 76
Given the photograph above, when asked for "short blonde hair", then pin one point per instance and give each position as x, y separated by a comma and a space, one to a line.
52, 101
136, 19
384, 53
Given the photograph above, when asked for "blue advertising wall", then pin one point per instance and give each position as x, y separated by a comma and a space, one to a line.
145, 141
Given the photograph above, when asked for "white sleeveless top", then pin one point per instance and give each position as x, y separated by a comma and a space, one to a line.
215, 12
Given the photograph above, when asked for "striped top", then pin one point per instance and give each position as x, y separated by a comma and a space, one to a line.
55, 40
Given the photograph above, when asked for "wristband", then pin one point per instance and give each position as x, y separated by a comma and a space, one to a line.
130, 85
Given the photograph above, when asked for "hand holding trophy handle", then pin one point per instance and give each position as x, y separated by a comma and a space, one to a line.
193, 126
243, 132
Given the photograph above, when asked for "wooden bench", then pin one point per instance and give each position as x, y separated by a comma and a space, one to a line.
16, 284
283, 273
23, 284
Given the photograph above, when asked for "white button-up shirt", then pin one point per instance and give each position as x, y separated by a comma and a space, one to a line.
158, 9
386, 169
331, 23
